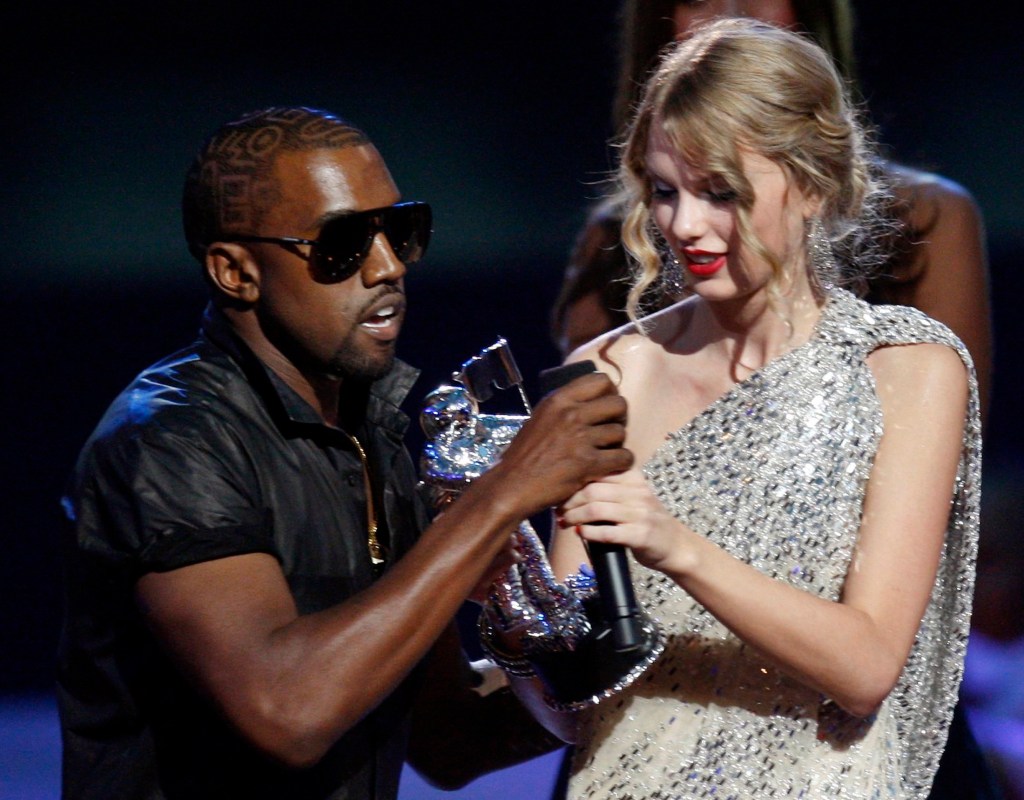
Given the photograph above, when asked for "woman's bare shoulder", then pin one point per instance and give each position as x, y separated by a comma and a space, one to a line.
632, 349
913, 369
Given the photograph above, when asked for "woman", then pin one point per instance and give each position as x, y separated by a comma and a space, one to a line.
941, 266
806, 520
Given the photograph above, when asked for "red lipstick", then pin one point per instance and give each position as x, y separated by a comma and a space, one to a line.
702, 263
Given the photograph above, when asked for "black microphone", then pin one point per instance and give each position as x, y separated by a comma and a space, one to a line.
611, 569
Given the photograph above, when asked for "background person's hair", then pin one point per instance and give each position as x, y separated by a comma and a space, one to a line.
595, 267
647, 27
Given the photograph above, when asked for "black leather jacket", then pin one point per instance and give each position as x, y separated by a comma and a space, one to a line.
208, 454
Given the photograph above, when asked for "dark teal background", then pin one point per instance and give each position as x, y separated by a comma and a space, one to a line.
495, 113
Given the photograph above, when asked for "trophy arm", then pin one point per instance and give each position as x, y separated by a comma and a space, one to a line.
530, 606
531, 623
534, 625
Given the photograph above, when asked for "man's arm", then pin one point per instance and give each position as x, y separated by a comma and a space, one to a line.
294, 684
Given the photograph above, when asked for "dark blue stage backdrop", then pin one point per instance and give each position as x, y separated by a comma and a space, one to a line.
496, 114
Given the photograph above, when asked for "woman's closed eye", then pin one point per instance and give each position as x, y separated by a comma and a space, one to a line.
662, 190
720, 194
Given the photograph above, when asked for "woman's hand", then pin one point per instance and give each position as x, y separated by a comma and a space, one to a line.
621, 509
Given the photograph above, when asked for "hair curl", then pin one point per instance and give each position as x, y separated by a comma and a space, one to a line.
740, 84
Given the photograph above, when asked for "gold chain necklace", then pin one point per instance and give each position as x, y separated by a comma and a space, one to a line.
377, 553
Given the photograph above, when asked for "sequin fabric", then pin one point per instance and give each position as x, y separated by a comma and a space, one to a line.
775, 472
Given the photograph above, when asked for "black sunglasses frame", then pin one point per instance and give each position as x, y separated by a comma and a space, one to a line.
356, 232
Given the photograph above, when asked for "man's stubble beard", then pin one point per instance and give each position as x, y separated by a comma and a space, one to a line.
349, 363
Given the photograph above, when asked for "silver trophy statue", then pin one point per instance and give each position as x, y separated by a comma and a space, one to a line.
560, 632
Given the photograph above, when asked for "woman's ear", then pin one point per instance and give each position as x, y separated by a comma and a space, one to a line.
813, 206
233, 271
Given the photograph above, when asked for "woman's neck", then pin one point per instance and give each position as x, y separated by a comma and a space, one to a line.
749, 333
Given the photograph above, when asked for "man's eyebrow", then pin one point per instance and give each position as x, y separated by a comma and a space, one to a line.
327, 216
337, 213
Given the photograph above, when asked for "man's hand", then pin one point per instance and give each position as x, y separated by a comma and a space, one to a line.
574, 436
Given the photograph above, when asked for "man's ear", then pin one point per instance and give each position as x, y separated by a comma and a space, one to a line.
233, 271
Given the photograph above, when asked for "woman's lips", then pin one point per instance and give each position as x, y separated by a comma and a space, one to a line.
703, 264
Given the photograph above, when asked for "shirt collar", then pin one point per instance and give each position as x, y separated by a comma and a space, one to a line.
383, 400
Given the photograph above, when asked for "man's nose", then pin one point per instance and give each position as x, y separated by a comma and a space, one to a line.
382, 265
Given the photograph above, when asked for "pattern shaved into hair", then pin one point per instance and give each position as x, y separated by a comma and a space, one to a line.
230, 186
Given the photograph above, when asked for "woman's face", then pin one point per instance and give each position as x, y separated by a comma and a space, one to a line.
697, 214
690, 14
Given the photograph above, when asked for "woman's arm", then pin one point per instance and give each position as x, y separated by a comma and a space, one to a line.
853, 650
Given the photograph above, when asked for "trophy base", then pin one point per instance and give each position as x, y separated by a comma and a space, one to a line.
595, 670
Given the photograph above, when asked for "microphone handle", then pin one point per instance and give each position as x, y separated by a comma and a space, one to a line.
611, 568
618, 600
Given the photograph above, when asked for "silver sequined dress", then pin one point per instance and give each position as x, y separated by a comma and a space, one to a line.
775, 472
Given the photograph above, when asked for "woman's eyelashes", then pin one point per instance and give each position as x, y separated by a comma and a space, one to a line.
721, 194
716, 193
662, 190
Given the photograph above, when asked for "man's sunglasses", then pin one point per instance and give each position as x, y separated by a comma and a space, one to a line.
345, 241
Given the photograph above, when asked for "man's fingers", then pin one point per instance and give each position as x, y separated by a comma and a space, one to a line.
611, 434
594, 396
611, 461
609, 408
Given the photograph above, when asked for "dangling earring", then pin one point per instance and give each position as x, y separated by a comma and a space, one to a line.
824, 269
671, 277
671, 274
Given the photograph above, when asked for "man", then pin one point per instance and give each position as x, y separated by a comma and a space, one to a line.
253, 610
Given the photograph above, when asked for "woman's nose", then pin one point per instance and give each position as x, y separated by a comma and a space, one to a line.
689, 222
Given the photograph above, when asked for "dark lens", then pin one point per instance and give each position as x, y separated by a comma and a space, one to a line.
407, 226
343, 243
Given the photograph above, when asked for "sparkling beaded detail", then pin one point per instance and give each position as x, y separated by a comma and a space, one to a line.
775, 472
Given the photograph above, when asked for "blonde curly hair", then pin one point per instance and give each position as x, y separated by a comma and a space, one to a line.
740, 84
